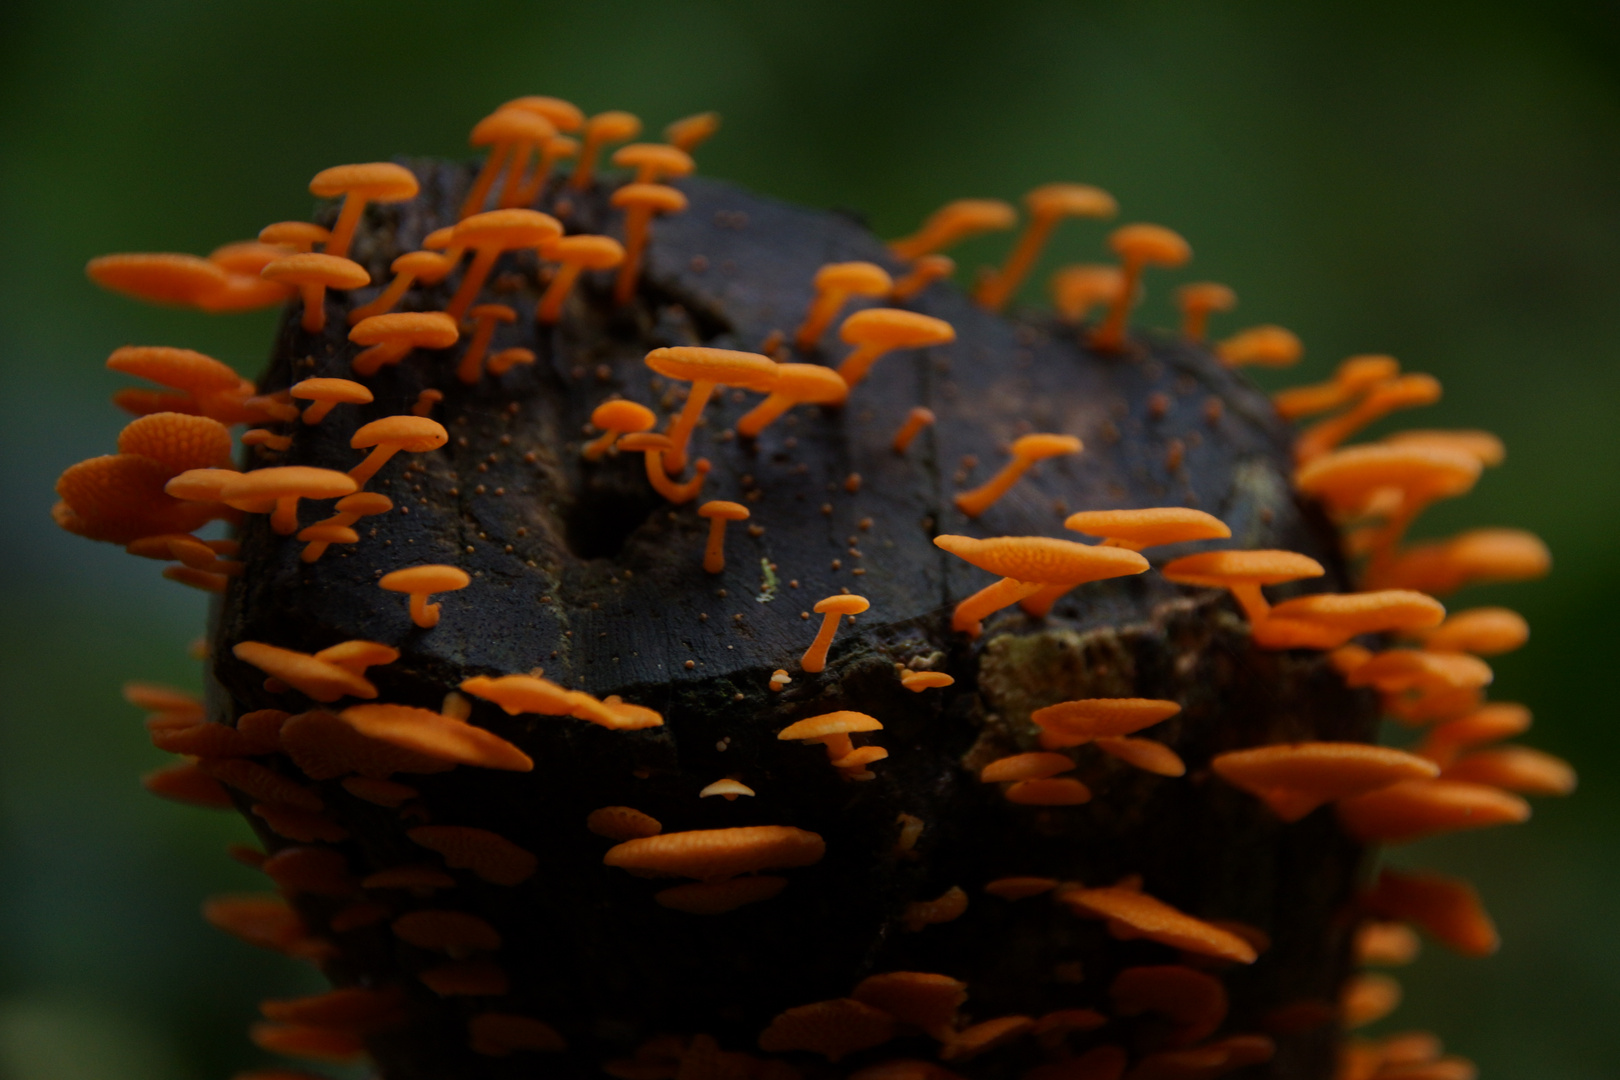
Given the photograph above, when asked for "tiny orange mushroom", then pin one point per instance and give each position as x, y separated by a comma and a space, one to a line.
876, 332
507, 359
1037, 765
178, 441
1131, 913
425, 734
1386, 944
244, 289
428, 267
1367, 998
1414, 809
1144, 754
1260, 346
831, 609
1488, 448
420, 582
1026, 451
719, 511
946, 907
727, 788
953, 223
1197, 301
1490, 723
327, 394
655, 450
614, 419
834, 284
489, 235
1028, 563
654, 162
918, 681
313, 274
576, 254
390, 435
1353, 378
607, 127
718, 854
510, 134
706, 369
1404, 392
1071, 723
159, 277
639, 203
456, 933
689, 131
1484, 631
485, 318
917, 419
920, 999
1243, 572
795, 384
266, 438
1295, 778
1047, 205
1137, 246
1328, 620
281, 488
350, 509
1475, 557
378, 181
622, 823
985, 1036
425, 402
1080, 287
1515, 768
317, 679
923, 273
1448, 908
298, 236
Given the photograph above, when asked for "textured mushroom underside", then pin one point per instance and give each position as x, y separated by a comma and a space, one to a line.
579, 568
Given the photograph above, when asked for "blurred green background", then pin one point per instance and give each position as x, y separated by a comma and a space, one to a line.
1439, 181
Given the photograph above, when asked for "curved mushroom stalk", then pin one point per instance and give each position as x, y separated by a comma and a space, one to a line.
970, 614
1048, 205
1137, 246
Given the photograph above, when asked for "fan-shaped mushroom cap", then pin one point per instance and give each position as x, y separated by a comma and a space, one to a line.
953, 222
1134, 914
1040, 446
716, 854
1418, 808
589, 251
1480, 444
324, 532
749, 371
895, 328
810, 384
1222, 569
182, 369
1396, 670
417, 434
1347, 478
1153, 245
918, 998
1515, 768
622, 823
719, 897
1070, 200
1490, 723
1295, 778
842, 604
623, 416
1091, 718
158, 277
286, 481
984, 1036
1261, 346
724, 511
326, 747
1483, 631
834, 1029
120, 498
687, 132
328, 392
564, 115
430, 578
364, 504
424, 731
918, 681
315, 268
842, 722
1386, 943
641, 442
1349, 614
200, 485
403, 330
179, 441
657, 198
1448, 908
298, 235
357, 655
382, 181
1144, 754
726, 788
510, 228
1037, 765
453, 932
489, 855
511, 125
654, 161
318, 679
1138, 529
1043, 559
1479, 555
1194, 1000
1078, 288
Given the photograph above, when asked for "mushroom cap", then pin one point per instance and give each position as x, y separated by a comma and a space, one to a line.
200, 485
715, 854
446, 931
1394, 670
810, 384
646, 442
1132, 914
295, 233
564, 115
284, 481
1152, 244
364, 503
1040, 445
427, 578
439, 238
623, 416
161, 277
1264, 346
895, 328
670, 160
182, 369
1070, 200
179, 440
1328, 770
591, 252
1480, 444
720, 508
1149, 527
614, 125
842, 722
749, 371
1221, 569
417, 434
659, 197
494, 312
1095, 717
1474, 555
1484, 631
379, 181
315, 678
245, 256
1082, 284
622, 823
524, 693
342, 390
1416, 808
425, 732
419, 264
315, 268
1043, 559
358, 652
918, 681
1348, 477
1207, 296
842, 604
1366, 612
974, 215
1365, 371
506, 125
515, 228
726, 786
860, 278
1036, 765
1405, 392
323, 532
422, 329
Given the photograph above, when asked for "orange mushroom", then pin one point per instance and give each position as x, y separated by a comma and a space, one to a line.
876, 332
327, 394
423, 733
622, 823
917, 419
1243, 572
1027, 563
835, 1029
423, 581
244, 289
1514, 768
835, 283
510, 134
530, 693
1197, 300
488, 235
577, 254
321, 535
718, 854
1490, 723
282, 487
159, 277
655, 450
1078, 288
1446, 907
831, 609
299, 236
953, 223
1295, 778
177, 441
356, 655
728, 789
1131, 913
1388, 944
1137, 246
378, 181
923, 273
1481, 444
425, 402
601, 129
1047, 205
706, 369
1261, 346
485, 317
719, 512
1194, 1001
1470, 558
317, 679
505, 360
1417, 808
654, 162
563, 116
616, 418
920, 999
639, 203
266, 438
985, 1036
428, 267
389, 436
1071, 723
689, 131
350, 509
1405, 392
1328, 620
918, 681
313, 274
1026, 451
795, 384
1354, 377
946, 907
120, 498
1144, 754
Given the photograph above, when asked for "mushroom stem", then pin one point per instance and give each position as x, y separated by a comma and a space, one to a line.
636, 219
923, 273
486, 179
385, 300
314, 297
970, 613
473, 280
714, 553
815, 657
600, 445
764, 414
917, 419
348, 219
1110, 335
284, 520
370, 361
1038, 605
1252, 601
424, 614
680, 432
994, 292
822, 311
669, 489
316, 412
856, 365
975, 502
513, 188
549, 310
472, 361
375, 460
